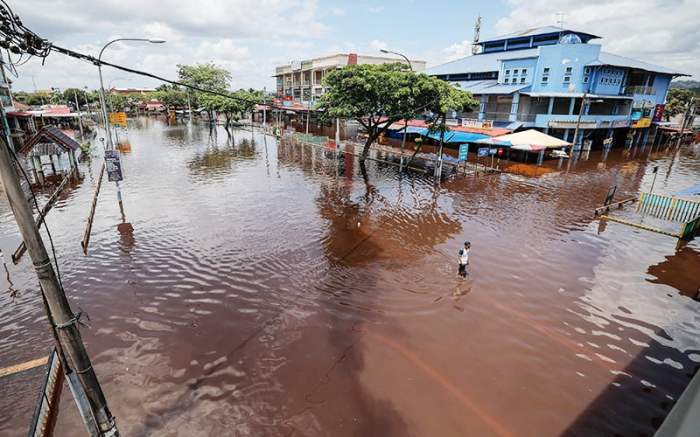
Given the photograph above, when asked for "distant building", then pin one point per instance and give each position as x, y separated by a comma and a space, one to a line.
131, 91
303, 80
538, 78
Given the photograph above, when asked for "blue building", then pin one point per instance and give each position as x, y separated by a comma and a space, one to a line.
539, 78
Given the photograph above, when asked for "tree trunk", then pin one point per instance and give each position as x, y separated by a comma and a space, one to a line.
371, 136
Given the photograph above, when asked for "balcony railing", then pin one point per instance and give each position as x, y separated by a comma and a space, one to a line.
643, 90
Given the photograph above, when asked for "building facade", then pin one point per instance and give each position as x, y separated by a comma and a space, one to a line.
302, 81
554, 79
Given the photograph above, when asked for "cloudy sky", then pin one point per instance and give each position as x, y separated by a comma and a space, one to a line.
250, 37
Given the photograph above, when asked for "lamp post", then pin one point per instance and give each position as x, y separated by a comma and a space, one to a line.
103, 104
405, 127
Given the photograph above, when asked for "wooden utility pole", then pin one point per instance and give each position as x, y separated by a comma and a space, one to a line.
64, 320
686, 117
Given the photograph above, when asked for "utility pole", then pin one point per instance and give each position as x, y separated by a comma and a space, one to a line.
578, 124
686, 117
59, 311
80, 115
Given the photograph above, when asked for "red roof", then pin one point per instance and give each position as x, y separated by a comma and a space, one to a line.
492, 132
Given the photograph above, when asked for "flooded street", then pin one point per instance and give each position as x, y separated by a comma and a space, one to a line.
261, 290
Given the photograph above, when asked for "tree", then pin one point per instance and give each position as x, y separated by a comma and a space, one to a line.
677, 102
233, 107
205, 76
380, 95
117, 102
171, 96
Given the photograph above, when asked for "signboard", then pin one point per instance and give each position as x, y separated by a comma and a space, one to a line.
642, 123
620, 123
117, 119
659, 113
473, 122
463, 152
566, 124
492, 152
637, 113
483, 151
113, 165
295, 65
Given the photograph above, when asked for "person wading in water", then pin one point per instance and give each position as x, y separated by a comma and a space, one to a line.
464, 259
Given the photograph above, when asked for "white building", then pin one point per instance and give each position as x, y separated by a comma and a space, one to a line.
303, 80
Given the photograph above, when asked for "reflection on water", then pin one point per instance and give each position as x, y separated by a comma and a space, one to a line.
274, 289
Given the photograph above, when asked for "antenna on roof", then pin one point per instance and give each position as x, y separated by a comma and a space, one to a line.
560, 18
477, 31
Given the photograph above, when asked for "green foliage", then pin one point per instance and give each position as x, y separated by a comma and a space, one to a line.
206, 76
233, 107
117, 102
379, 95
677, 101
32, 99
171, 96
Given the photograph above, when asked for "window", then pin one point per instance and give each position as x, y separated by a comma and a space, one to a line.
522, 79
515, 72
524, 72
505, 80
545, 79
585, 79
587, 70
507, 72
568, 70
567, 79
546, 70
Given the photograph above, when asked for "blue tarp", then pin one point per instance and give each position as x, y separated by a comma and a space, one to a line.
456, 136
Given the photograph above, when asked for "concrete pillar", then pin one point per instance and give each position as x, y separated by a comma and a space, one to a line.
483, 103
513, 116
572, 104
551, 106
566, 134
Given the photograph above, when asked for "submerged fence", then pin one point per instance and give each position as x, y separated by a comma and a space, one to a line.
668, 208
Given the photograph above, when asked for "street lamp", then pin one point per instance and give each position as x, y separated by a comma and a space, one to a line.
103, 98
405, 127
110, 145
408, 61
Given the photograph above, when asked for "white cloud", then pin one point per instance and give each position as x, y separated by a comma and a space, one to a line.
337, 12
458, 50
664, 32
377, 45
375, 9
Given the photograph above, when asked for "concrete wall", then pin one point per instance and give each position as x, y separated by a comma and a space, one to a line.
557, 58
517, 64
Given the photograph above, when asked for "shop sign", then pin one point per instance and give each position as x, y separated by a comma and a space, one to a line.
566, 124
659, 113
473, 122
616, 124
642, 123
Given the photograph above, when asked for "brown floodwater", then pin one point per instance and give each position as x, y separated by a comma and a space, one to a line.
265, 289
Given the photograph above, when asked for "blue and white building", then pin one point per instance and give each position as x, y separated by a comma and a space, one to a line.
539, 78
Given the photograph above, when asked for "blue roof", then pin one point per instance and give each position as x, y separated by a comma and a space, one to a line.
537, 31
490, 87
480, 63
622, 61
456, 136
693, 190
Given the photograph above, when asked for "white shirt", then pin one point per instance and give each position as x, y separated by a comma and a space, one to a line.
464, 256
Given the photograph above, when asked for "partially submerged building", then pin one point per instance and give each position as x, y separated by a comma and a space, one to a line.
49, 153
538, 78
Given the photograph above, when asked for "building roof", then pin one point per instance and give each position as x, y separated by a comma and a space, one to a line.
484, 62
490, 87
542, 30
605, 58
49, 139
480, 63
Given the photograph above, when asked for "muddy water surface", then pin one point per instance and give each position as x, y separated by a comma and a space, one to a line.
260, 289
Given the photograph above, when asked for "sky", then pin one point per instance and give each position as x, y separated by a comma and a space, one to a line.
251, 37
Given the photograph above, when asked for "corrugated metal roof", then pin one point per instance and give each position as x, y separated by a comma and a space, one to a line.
480, 63
542, 30
605, 58
489, 87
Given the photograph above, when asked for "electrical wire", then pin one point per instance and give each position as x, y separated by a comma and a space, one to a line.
14, 156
